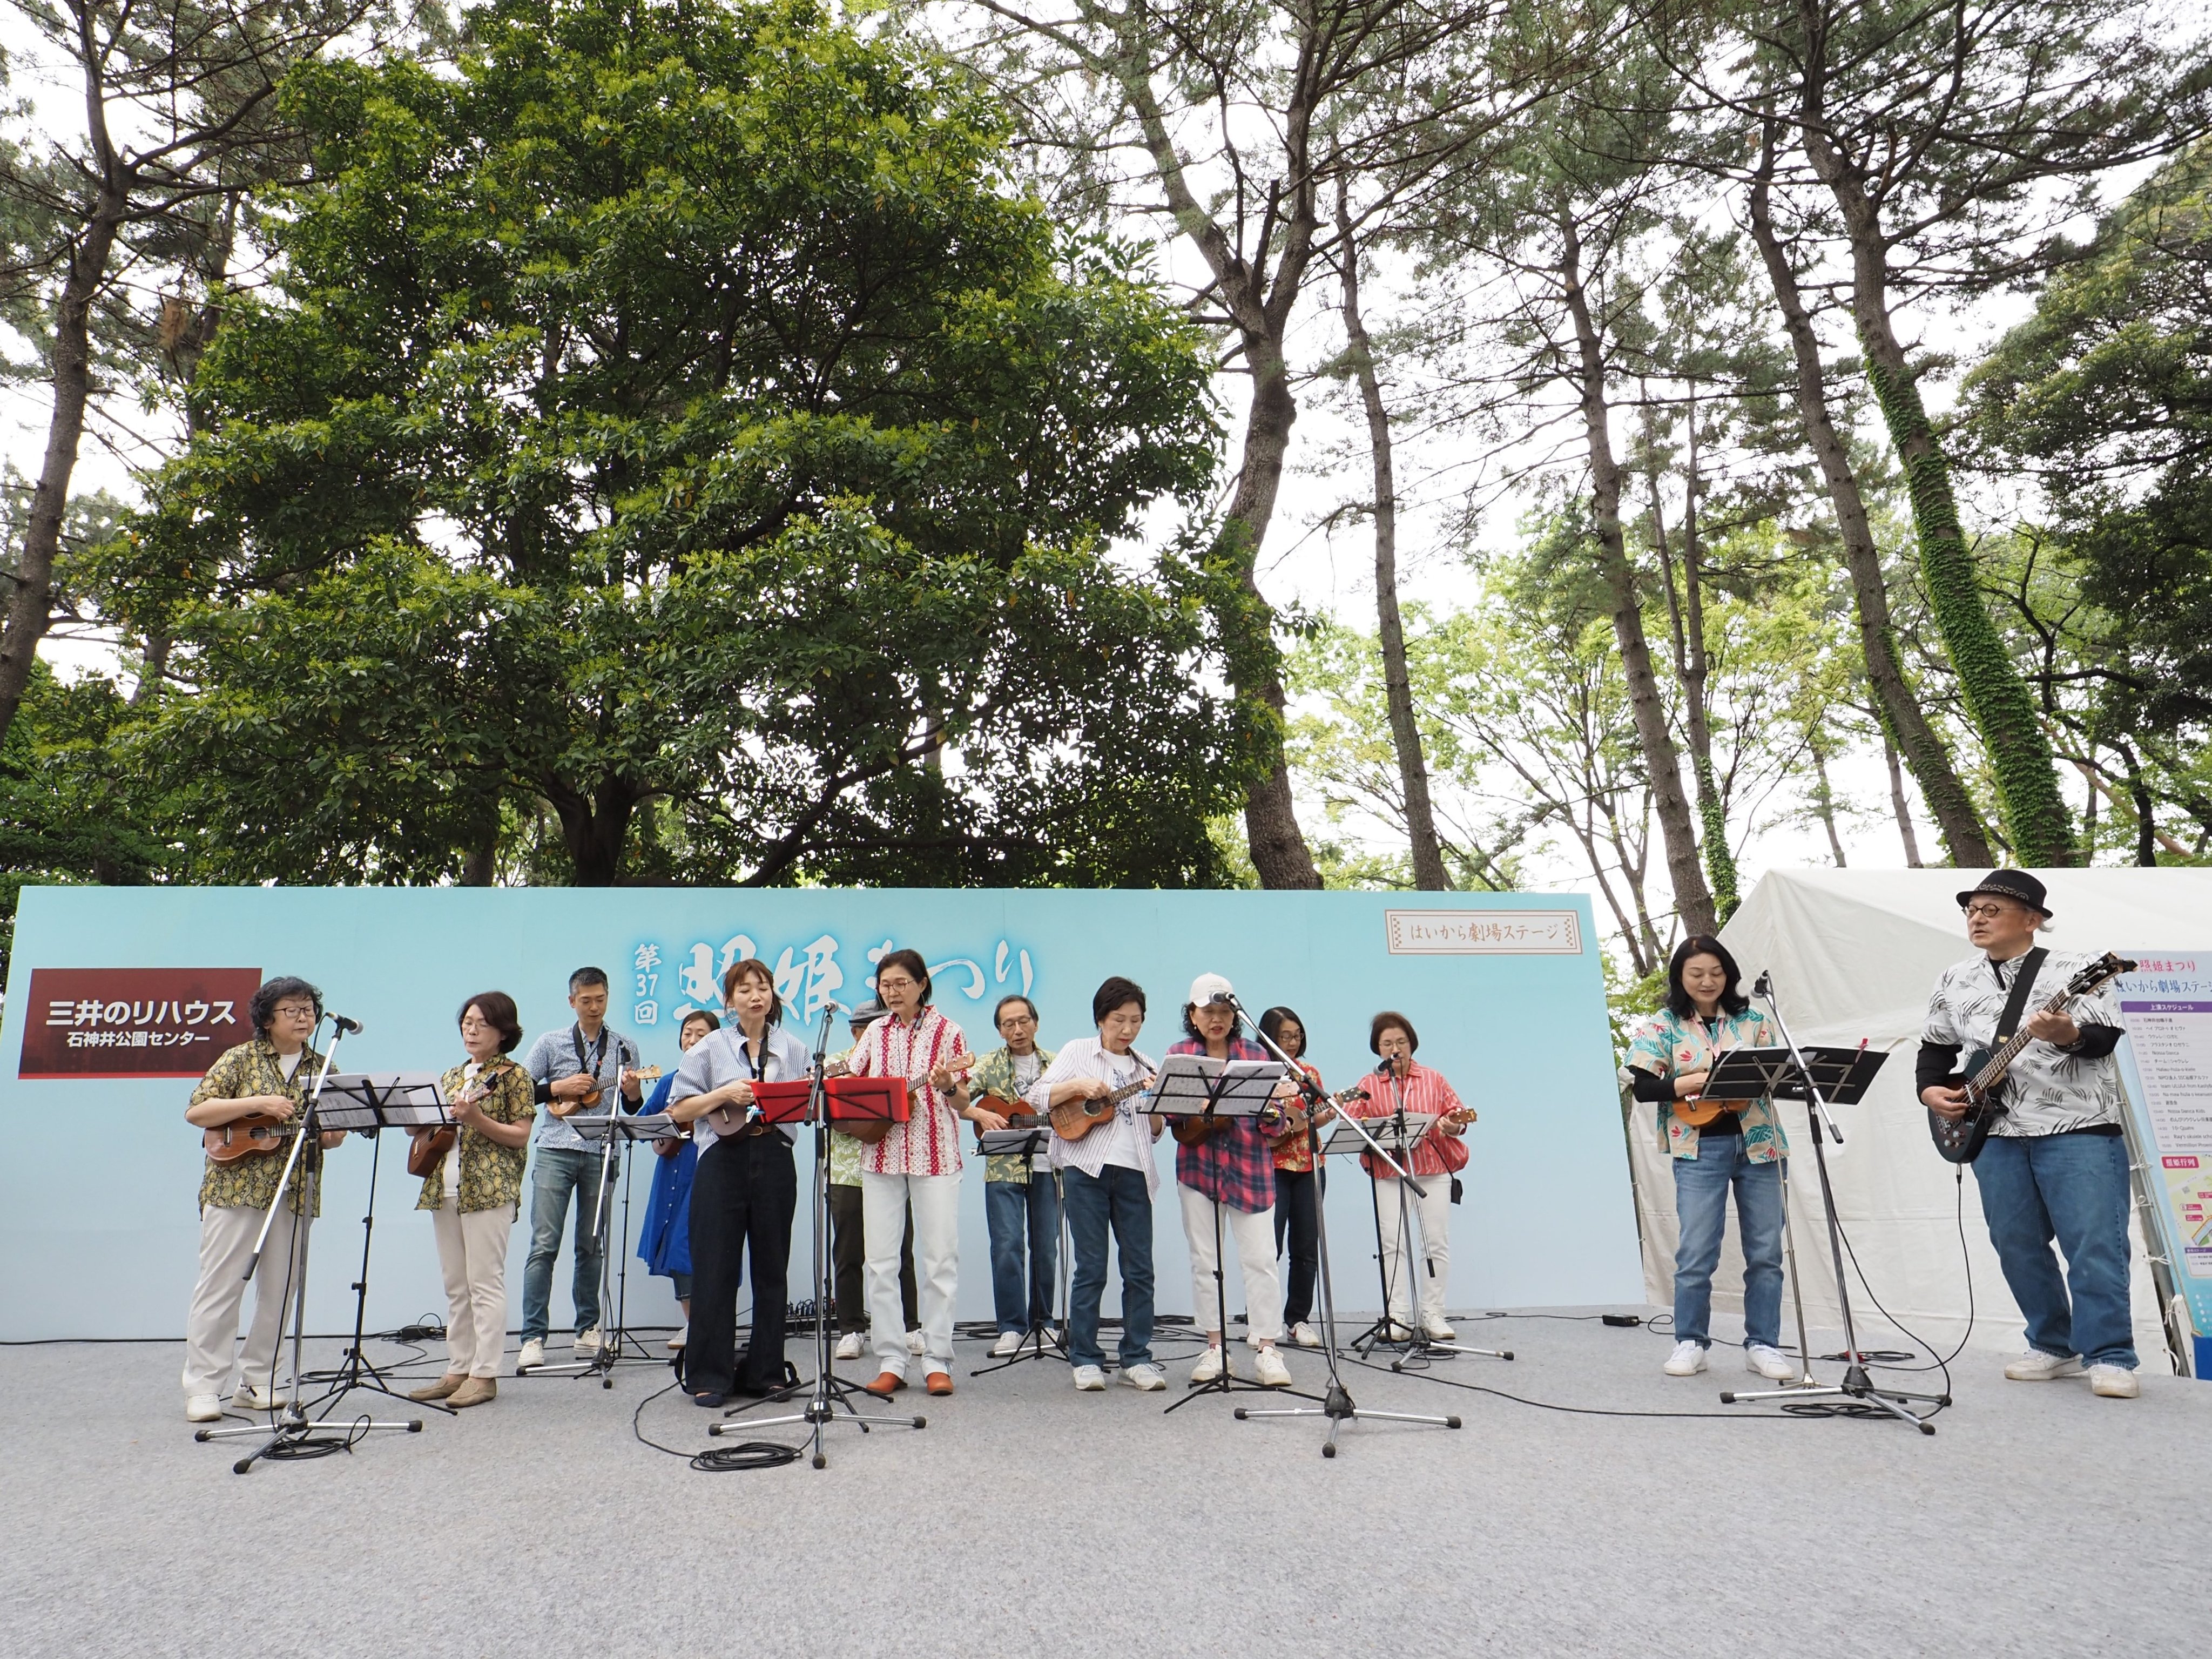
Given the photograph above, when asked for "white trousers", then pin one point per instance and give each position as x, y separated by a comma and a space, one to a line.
935, 1201
1254, 1235
226, 1236
472, 1255
1432, 1263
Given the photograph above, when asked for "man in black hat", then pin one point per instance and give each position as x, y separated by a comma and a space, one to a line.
2054, 1165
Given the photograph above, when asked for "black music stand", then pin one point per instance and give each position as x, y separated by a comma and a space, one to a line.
1049, 1340
1197, 1085
621, 1131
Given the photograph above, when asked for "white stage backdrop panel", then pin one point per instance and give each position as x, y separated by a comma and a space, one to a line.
1505, 989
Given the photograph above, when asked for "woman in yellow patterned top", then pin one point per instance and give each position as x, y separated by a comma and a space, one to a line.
472, 1193
269, 1077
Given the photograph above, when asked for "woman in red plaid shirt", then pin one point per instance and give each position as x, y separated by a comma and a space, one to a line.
1230, 1177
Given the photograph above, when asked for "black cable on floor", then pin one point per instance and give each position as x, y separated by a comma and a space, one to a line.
717, 1460
1548, 1405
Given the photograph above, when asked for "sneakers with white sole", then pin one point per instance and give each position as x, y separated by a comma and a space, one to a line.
532, 1355
259, 1400
2037, 1366
851, 1345
1772, 1363
1209, 1366
202, 1408
1305, 1335
1687, 1359
1437, 1330
2113, 1381
1271, 1371
916, 1342
1089, 1379
1009, 1342
588, 1341
1145, 1377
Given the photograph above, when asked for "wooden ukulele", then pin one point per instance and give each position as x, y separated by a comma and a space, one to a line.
426, 1147
1297, 1120
868, 1131
564, 1107
1072, 1120
257, 1134
1982, 1075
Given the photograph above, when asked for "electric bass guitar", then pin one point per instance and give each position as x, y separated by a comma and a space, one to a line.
1982, 1073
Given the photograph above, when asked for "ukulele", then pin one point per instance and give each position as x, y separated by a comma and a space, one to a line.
564, 1107
1297, 1120
426, 1147
870, 1130
1982, 1074
1072, 1120
257, 1134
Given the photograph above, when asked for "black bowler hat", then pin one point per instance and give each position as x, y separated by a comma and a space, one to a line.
2016, 884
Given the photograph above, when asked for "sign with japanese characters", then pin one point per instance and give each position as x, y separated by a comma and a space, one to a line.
2167, 1063
1474, 933
134, 1022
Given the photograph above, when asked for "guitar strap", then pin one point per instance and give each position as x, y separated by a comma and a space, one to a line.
598, 1052
2023, 983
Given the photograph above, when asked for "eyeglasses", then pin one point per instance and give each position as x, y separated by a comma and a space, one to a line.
295, 1010
895, 982
1987, 912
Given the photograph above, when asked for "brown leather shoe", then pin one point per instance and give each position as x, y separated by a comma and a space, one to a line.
939, 1382
449, 1383
477, 1391
887, 1385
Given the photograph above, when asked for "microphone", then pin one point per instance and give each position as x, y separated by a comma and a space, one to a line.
350, 1027
1763, 985
1382, 1068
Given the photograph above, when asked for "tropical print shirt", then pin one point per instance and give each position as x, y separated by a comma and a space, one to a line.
253, 1068
928, 1142
1294, 1153
2049, 1091
994, 1074
491, 1175
844, 1150
1669, 1046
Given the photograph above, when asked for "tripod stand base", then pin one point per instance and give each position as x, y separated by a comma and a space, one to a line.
1040, 1344
1338, 1407
297, 1429
1856, 1386
1417, 1346
829, 1393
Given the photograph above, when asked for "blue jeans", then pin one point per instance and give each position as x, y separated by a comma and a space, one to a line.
556, 1172
1119, 1197
1701, 1195
2073, 1187
1008, 1206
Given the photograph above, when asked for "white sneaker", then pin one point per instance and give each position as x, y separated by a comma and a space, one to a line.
676, 1342
1772, 1363
1437, 1330
916, 1342
1271, 1371
1089, 1379
1145, 1377
1008, 1342
2037, 1366
532, 1355
588, 1341
202, 1408
259, 1400
2113, 1381
1209, 1367
850, 1346
1305, 1335
1687, 1359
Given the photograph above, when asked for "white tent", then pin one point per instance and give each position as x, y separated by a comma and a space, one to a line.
1854, 954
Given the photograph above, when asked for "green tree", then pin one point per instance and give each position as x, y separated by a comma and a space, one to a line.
673, 418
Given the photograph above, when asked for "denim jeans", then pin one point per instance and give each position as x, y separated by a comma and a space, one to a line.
1010, 1207
2073, 1187
1119, 1197
1701, 1194
556, 1173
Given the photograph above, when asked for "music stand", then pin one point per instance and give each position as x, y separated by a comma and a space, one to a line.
830, 1391
1030, 1139
293, 1433
1197, 1085
1849, 1071
618, 1130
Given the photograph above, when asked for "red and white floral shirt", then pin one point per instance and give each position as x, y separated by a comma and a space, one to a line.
928, 1142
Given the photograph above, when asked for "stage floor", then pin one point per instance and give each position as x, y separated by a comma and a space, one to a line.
1026, 1517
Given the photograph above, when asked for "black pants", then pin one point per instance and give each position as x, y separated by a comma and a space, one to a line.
847, 1252
1295, 1197
742, 1198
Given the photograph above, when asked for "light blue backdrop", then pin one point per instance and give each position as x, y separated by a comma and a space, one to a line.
99, 1216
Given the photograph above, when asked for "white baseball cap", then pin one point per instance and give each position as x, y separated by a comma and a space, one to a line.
1211, 987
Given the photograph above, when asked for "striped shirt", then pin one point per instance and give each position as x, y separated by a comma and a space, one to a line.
928, 1143
1234, 1166
1426, 1092
1127, 1141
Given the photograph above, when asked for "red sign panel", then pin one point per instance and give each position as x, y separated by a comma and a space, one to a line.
134, 1022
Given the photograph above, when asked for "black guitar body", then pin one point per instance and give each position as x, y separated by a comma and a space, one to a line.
1960, 1140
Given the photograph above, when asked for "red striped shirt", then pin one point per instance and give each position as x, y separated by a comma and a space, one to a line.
928, 1143
1426, 1092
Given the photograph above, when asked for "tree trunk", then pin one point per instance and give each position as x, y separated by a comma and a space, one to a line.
1693, 670
2036, 820
595, 830
1693, 903
1824, 799
1896, 801
1903, 720
1397, 685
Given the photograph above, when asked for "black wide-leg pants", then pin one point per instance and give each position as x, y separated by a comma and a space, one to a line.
742, 1197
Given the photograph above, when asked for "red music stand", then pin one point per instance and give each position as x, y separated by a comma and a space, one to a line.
783, 1103
867, 1100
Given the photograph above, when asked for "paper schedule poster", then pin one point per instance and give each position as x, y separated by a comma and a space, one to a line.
2167, 1065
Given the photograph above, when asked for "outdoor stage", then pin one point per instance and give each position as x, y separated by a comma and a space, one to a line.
1028, 1519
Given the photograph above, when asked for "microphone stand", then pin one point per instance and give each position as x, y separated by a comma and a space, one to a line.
1337, 1405
1856, 1384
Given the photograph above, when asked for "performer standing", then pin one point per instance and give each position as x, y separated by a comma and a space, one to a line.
1437, 1156
848, 1248
268, 1076
746, 1189
1020, 1204
917, 1163
1110, 1175
2054, 1165
1705, 1016
472, 1195
1297, 1190
567, 1067
1228, 1177
664, 1242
